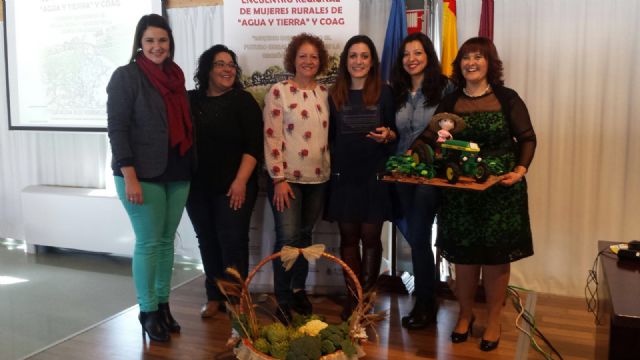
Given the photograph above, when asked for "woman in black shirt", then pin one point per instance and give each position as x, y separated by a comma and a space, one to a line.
228, 127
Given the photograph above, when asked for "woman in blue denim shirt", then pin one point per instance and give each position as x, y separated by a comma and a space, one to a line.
418, 86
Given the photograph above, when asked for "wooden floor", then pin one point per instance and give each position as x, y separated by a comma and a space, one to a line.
564, 321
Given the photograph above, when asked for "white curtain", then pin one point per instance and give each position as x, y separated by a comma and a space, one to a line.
573, 63
374, 16
194, 31
468, 19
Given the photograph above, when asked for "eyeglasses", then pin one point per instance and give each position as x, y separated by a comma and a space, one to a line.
222, 64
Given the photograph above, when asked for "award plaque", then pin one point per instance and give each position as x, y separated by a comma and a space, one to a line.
359, 119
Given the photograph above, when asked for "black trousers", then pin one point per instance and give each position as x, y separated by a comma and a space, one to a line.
223, 233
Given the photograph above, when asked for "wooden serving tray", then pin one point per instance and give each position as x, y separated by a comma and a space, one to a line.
464, 182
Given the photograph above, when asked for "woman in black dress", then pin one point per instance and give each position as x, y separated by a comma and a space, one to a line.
361, 136
228, 124
486, 231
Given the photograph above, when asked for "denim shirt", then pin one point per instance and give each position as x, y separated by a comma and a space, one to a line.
412, 119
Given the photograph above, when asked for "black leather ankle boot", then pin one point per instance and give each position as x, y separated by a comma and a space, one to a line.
165, 314
424, 313
153, 326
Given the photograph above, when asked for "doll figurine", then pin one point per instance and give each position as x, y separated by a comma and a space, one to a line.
446, 124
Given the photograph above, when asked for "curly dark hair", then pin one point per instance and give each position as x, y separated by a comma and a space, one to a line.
295, 44
205, 63
433, 82
485, 47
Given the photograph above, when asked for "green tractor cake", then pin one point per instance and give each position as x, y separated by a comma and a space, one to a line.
455, 158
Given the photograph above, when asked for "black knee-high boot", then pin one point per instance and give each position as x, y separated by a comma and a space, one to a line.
371, 259
351, 256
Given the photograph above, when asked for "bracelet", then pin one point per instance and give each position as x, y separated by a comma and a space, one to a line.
279, 181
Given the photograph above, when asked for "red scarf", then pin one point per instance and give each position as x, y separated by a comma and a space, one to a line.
169, 81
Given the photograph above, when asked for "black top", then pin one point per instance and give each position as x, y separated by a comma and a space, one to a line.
226, 127
355, 193
353, 155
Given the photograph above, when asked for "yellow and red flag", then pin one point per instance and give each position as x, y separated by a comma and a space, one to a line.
449, 36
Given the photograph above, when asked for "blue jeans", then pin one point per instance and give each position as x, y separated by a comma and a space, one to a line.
419, 204
223, 233
293, 228
154, 222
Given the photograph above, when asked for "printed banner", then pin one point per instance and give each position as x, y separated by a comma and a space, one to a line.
260, 30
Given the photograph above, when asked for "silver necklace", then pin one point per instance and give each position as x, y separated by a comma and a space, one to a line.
486, 90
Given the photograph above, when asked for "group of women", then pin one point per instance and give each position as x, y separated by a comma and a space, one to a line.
324, 148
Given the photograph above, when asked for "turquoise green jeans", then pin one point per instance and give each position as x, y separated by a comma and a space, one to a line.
154, 224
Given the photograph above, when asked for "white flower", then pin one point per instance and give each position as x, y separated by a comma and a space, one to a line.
360, 333
313, 327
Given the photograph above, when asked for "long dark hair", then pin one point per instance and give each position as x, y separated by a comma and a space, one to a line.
433, 82
205, 63
485, 47
145, 21
373, 83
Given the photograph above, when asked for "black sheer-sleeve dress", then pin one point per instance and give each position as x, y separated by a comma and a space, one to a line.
492, 226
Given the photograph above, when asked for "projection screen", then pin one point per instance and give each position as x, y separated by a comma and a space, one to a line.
59, 56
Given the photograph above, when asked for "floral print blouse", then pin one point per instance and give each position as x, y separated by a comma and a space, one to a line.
296, 127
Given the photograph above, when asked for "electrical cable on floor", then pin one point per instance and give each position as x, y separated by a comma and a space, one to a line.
529, 319
591, 287
512, 291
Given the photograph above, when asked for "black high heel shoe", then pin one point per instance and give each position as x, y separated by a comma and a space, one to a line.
457, 337
153, 326
165, 314
486, 345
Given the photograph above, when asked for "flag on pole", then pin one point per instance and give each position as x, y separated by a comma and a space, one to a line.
396, 32
486, 19
449, 36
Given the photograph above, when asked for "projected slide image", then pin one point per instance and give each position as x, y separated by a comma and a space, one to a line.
60, 56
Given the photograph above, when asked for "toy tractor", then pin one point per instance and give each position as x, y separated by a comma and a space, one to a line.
455, 158
462, 158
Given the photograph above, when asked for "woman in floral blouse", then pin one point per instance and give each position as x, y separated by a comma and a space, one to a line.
296, 124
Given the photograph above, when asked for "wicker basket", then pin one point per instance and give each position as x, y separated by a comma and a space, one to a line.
246, 351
